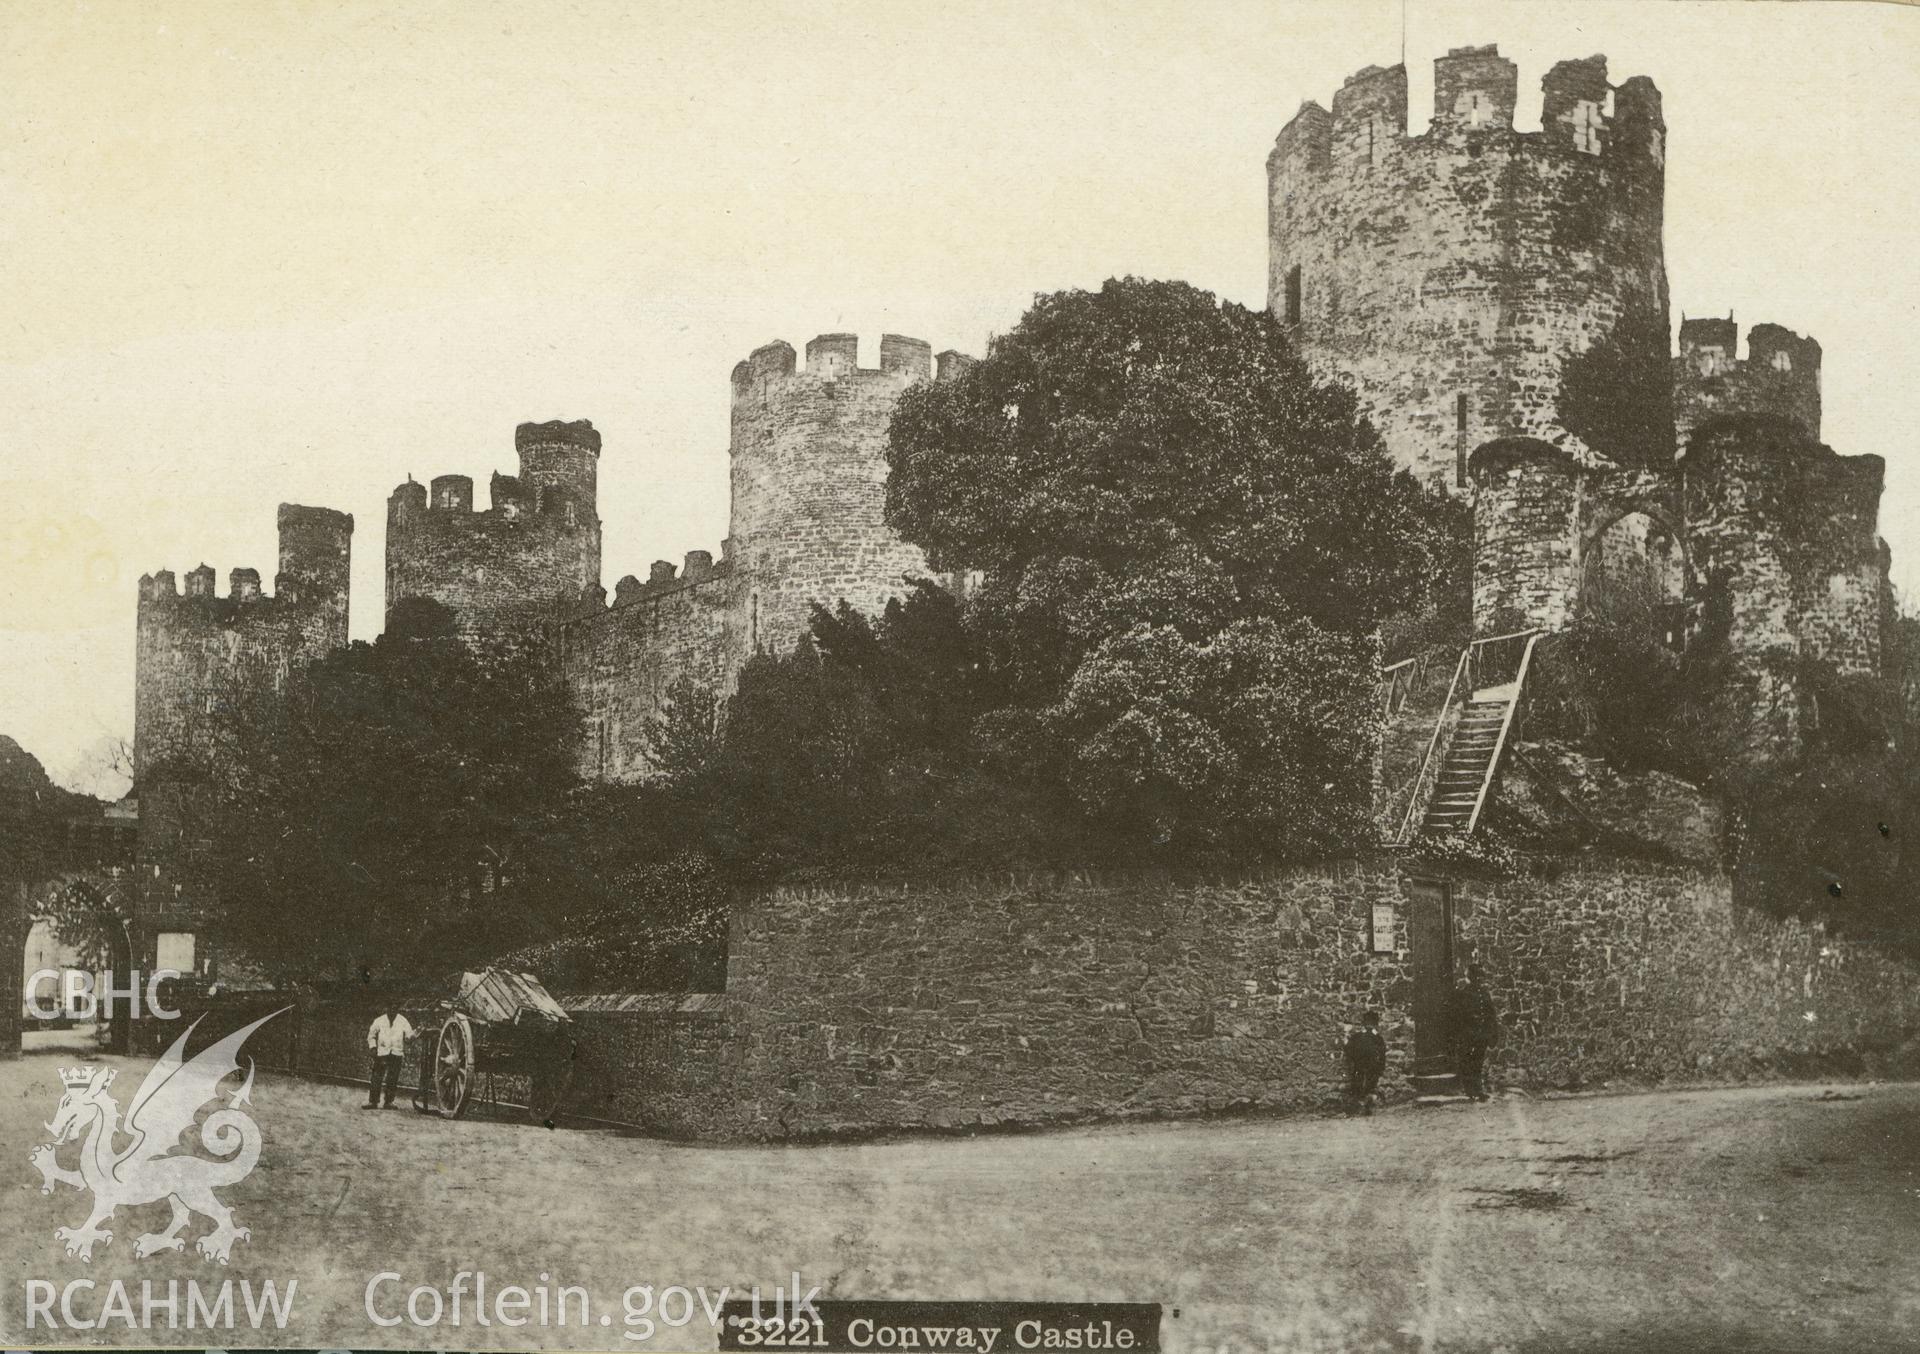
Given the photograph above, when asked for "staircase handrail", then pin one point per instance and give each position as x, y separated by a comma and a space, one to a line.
1506, 725
1433, 742
1398, 680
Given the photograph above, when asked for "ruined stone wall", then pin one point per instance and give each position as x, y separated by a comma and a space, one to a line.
621, 662
1450, 275
809, 470
197, 653
522, 563
1780, 375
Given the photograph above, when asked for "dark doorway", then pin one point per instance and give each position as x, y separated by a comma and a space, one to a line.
1430, 947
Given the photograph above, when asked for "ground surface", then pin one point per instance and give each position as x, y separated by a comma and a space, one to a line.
1783, 1217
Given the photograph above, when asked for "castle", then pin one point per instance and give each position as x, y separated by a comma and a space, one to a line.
809, 464
1461, 279
1455, 279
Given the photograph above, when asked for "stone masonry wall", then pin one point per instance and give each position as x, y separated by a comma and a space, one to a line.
1451, 274
1620, 971
1785, 529
1042, 1001
1530, 504
1058, 999
1052, 1000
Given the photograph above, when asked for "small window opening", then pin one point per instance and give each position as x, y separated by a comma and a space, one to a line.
1293, 294
1460, 439
1587, 124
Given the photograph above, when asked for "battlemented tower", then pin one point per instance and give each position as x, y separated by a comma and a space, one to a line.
1450, 276
517, 565
198, 653
1780, 375
809, 458
809, 465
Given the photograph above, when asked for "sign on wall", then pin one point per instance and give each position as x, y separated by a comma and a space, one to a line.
1382, 928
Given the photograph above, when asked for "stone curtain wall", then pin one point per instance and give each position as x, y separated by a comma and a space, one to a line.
1471, 260
620, 663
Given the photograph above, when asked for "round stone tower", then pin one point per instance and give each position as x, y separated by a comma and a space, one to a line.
1450, 276
809, 474
316, 558
559, 465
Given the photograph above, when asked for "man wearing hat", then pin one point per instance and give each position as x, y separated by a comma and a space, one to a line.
1476, 1029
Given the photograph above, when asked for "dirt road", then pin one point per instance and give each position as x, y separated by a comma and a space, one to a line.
1783, 1217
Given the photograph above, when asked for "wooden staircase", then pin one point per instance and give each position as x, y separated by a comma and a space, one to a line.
1472, 757
1471, 733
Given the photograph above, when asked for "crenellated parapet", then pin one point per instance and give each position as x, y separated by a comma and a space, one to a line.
198, 651
1450, 276
772, 369
698, 568
1780, 375
518, 564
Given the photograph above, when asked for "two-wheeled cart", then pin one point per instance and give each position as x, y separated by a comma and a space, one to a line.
496, 1023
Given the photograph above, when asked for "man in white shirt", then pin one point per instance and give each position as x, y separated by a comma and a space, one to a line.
387, 1041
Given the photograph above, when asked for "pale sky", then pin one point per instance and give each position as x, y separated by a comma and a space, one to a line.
254, 252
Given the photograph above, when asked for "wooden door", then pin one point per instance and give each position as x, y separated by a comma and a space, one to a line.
1430, 951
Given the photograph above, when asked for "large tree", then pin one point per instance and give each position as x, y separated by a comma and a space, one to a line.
1187, 544
392, 802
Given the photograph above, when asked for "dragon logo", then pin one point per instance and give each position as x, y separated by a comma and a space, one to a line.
146, 1170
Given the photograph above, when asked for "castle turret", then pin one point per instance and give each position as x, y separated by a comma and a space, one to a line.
1780, 375
200, 658
521, 564
809, 457
1452, 276
1529, 506
316, 558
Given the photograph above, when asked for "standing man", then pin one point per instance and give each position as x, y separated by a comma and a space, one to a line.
1476, 1029
1366, 1060
387, 1041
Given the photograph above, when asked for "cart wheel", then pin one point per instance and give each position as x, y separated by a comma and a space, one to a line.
453, 1067
551, 1082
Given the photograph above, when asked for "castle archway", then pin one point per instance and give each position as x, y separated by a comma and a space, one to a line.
91, 910
1636, 566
